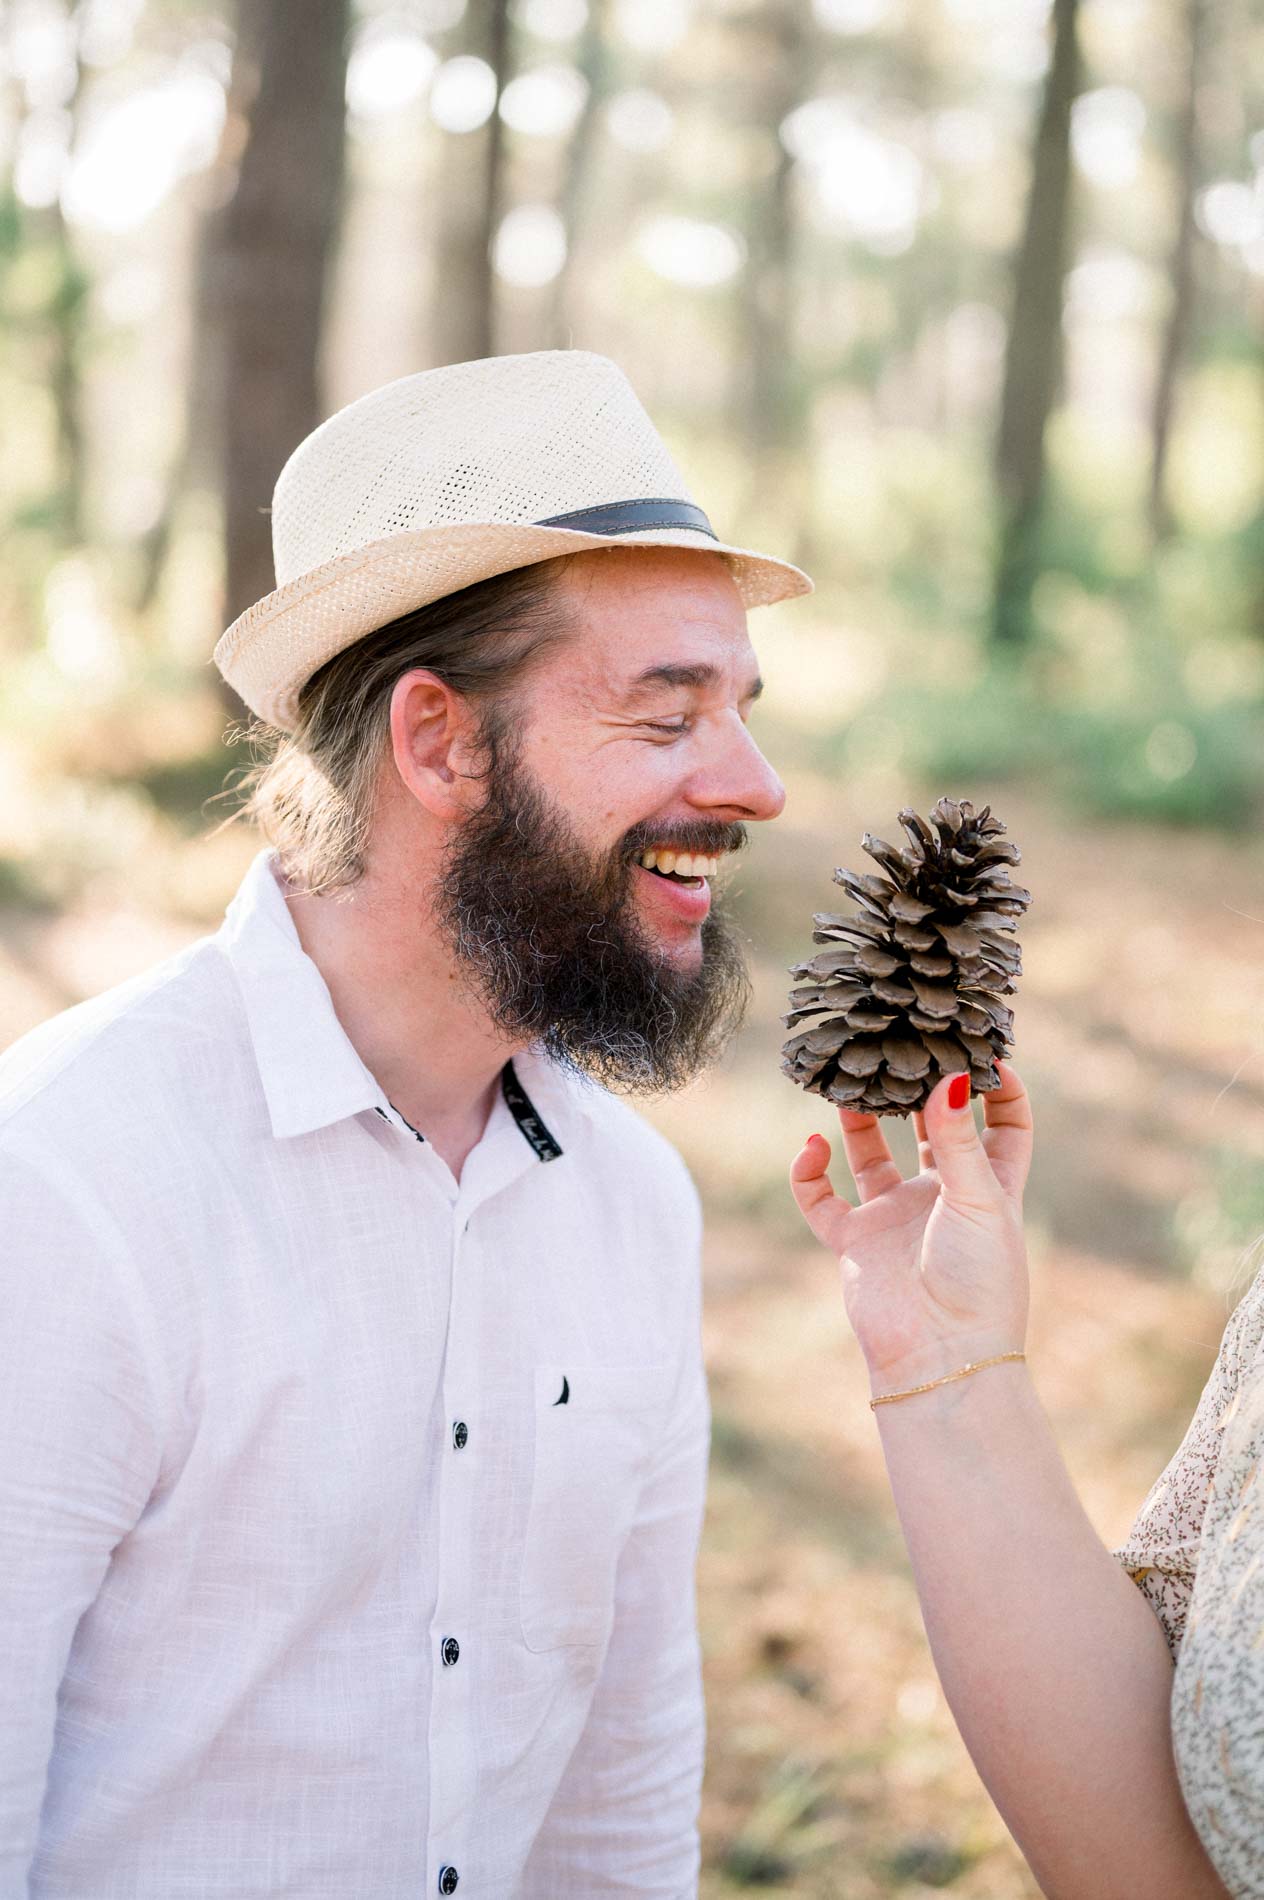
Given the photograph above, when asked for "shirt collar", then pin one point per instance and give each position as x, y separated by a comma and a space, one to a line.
311, 1072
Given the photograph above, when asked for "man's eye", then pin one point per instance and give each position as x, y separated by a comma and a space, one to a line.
655, 725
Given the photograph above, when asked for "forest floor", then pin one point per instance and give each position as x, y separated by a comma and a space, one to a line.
834, 1767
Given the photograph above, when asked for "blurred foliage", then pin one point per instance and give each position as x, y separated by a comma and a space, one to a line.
783, 1828
1160, 759
1217, 1230
820, 206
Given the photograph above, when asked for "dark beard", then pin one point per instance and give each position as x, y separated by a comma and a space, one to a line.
548, 934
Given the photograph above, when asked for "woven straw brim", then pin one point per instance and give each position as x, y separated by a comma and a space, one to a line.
272, 649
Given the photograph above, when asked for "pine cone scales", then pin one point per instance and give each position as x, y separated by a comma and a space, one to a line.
909, 988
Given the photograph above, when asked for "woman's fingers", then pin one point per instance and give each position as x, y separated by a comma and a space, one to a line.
971, 1169
960, 1159
814, 1194
1008, 1137
868, 1156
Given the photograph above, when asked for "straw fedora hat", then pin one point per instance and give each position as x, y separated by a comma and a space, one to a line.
446, 478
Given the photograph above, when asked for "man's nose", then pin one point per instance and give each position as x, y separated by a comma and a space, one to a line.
741, 780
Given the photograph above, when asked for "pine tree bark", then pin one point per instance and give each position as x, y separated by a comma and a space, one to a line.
198, 463
471, 194
1033, 356
778, 49
276, 241
768, 299
67, 321
1181, 271
573, 196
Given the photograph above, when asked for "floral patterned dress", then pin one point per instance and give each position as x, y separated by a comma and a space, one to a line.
1197, 1552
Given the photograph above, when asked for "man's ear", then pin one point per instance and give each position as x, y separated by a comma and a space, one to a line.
433, 732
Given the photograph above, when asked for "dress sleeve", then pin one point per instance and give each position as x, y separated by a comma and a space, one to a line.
1218, 1695
1162, 1551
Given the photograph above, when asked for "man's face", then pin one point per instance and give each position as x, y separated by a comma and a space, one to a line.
630, 742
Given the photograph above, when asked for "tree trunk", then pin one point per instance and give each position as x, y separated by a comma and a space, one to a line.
1180, 271
276, 238
572, 198
198, 463
67, 318
768, 294
1033, 357
470, 194
778, 56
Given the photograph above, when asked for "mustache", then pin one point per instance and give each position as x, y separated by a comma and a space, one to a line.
707, 840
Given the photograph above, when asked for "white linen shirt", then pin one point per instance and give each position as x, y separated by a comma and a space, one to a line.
348, 1515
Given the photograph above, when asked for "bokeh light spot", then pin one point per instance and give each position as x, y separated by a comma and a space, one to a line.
530, 246
639, 120
463, 94
544, 103
552, 19
388, 72
690, 252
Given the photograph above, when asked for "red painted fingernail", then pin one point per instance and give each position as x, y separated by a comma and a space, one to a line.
959, 1091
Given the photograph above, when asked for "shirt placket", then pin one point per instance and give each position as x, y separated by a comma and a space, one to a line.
514, 1143
453, 1639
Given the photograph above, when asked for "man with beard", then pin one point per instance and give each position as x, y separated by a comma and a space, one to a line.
352, 1419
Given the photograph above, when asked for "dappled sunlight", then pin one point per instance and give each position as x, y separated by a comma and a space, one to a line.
799, 230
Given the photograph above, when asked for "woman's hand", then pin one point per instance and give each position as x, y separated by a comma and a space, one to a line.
934, 1268
1053, 1663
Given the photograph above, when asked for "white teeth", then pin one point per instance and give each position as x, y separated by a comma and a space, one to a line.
683, 863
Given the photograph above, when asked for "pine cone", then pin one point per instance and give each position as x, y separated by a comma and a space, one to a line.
910, 987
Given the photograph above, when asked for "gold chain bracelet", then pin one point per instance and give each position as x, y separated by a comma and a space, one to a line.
889, 1398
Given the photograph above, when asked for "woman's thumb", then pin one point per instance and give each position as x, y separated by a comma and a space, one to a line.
960, 1158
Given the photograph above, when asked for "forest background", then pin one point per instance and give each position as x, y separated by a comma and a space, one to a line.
956, 302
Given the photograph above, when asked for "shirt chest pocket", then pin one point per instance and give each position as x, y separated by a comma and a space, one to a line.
595, 1431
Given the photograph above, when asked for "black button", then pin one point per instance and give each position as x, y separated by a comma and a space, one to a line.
451, 1651
460, 1434
448, 1879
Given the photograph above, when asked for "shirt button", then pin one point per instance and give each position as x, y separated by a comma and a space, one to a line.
460, 1435
451, 1651
448, 1879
